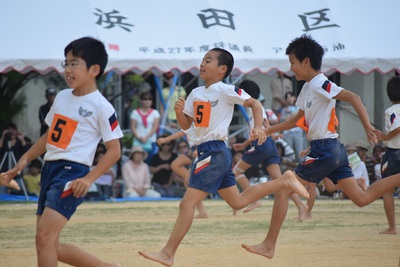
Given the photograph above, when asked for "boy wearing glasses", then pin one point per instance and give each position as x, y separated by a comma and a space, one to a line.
210, 108
78, 119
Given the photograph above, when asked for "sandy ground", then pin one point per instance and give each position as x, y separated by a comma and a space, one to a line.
340, 234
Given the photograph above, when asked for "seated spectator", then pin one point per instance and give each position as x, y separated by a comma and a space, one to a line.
32, 177
377, 152
160, 166
369, 161
136, 175
287, 156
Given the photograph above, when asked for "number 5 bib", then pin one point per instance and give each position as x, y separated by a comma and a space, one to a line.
61, 131
202, 113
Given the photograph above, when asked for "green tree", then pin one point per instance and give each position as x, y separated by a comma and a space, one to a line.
11, 103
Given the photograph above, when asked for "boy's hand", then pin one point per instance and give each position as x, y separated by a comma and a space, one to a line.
179, 105
11, 173
371, 135
238, 146
305, 152
4, 182
259, 135
80, 187
379, 135
161, 141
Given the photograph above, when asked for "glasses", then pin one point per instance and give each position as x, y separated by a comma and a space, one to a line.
72, 65
144, 99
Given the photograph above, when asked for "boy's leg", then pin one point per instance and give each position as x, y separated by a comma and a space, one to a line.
202, 211
267, 247
288, 183
50, 250
242, 180
182, 225
388, 204
362, 198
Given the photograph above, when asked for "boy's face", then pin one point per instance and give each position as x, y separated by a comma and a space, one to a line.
76, 73
209, 68
297, 67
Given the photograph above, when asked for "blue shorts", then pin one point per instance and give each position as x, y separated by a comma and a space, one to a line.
266, 154
213, 169
327, 158
390, 162
55, 174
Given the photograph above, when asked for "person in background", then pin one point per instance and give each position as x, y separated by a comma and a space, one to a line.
45, 108
178, 91
32, 177
280, 85
369, 161
160, 166
136, 175
105, 182
144, 124
12, 147
390, 164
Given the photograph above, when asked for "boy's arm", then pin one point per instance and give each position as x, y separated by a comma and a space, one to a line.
256, 107
184, 120
359, 107
169, 138
285, 125
37, 149
389, 136
81, 185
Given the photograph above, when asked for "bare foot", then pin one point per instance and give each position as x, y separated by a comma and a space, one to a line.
160, 257
252, 206
305, 217
234, 212
389, 232
201, 215
260, 249
295, 185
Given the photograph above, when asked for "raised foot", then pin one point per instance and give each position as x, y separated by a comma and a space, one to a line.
389, 232
159, 257
295, 185
260, 249
252, 206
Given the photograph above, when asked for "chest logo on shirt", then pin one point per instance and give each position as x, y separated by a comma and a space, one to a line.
308, 105
85, 113
213, 103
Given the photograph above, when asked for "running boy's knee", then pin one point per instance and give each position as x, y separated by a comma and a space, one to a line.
238, 172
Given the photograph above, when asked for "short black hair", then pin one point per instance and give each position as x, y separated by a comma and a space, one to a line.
224, 58
393, 89
91, 50
251, 88
305, 46
36, 163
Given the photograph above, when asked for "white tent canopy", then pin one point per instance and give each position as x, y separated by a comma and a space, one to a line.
160, 36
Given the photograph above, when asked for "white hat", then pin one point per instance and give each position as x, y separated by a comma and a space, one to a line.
136, 149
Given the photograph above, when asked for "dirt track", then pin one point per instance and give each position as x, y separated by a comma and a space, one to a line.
340, 234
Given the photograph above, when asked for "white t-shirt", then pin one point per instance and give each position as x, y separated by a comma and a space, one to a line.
77, 124
251, 117
212, 110
143, 129
392, 121
190, 135
316, 100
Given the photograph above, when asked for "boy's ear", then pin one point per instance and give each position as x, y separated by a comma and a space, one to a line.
306, 61
223, 69
94, 70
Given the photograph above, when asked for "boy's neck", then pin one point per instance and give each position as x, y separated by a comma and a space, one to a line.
311, 74
211, 82
82, 92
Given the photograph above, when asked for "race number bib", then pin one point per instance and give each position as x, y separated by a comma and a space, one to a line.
202, 113
61, 131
